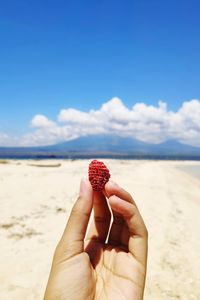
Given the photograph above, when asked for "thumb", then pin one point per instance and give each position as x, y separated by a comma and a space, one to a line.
72, 241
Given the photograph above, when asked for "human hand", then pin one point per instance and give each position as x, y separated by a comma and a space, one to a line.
104, 265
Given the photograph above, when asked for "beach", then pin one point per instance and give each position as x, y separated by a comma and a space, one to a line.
35, 201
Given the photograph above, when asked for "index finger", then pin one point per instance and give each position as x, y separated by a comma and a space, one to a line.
72, 241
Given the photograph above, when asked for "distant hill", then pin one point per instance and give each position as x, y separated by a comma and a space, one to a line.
105, 146
101, 143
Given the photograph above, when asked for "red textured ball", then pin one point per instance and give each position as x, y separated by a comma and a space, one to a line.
98, 175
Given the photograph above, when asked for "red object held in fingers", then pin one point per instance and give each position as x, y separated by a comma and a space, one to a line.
98, 175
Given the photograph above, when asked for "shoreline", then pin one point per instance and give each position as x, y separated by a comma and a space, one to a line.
193, 170
119, 156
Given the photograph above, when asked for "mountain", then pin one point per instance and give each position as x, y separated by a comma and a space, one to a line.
124, 145
173, 147
101, 143
105, 146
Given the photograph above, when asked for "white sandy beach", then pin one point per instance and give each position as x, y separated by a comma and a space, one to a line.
35, 203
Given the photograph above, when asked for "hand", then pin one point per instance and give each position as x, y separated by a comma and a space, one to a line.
104, 265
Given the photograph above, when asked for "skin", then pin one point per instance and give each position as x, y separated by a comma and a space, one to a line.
104, 264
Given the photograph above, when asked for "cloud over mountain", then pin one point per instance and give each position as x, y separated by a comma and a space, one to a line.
147, 123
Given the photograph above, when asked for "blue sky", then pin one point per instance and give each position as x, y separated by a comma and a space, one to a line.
60, 54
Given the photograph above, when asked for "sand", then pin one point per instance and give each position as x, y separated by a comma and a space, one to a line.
35, 202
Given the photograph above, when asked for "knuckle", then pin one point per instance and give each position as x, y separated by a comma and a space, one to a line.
102, 219
76, 210
118, 220
63, 251
99, 219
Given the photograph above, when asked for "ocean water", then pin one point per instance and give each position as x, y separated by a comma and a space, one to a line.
191, 169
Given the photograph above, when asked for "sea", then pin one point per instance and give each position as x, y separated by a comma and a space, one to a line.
74, 156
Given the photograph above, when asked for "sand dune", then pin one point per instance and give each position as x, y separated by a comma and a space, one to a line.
35, 204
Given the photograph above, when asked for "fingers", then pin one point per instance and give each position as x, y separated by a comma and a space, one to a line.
119, 233
72, 241
101, 222
122, 203
118, 220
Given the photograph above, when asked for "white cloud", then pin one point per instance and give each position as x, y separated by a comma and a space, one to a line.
41, 121
148, 123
